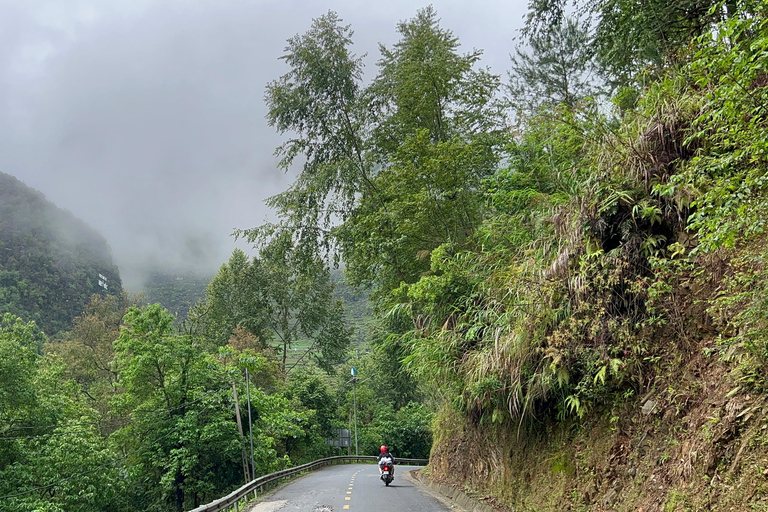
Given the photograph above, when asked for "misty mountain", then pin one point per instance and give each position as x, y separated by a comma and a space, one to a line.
50, 261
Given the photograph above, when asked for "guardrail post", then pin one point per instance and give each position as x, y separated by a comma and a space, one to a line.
273, 480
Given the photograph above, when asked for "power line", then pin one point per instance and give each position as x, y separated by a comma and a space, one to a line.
7, 496
51, 434
79, 424
99, 423
111, 464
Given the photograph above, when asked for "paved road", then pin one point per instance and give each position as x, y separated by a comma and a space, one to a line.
353, 488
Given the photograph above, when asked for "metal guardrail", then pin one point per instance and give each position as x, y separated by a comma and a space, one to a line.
232, 500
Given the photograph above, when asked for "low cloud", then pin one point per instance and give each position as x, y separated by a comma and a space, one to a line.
146, 118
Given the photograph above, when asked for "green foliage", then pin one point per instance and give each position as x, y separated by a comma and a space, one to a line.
280, 297
420, 156
51, 454
50, 262
516, 277
233, 301
424, 84
724, 181
178, 293
730, 134
435, 189
582, 260
559, 69
406, 432
314, 394
358, 310
281, 428
319, 102
385, 412
741, 314
17, 365
87, 352
437, 134
635, 42
179, 435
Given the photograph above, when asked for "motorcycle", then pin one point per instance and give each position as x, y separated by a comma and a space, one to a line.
387, 471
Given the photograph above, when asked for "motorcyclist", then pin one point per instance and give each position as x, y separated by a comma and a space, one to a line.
384, 454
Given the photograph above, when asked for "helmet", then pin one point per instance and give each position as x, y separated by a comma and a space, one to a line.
383, 449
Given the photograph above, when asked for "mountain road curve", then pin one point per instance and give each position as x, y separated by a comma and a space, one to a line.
351, 488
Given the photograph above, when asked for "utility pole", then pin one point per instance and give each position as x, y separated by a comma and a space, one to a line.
354, 398
349, 424
250, 423
240, 428
354, 382
354, 401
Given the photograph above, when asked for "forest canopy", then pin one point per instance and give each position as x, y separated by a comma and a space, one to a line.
538, 248
50, 262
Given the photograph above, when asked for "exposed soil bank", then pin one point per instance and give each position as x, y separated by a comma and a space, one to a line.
693, 441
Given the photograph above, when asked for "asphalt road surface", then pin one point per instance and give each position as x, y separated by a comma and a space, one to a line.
353, 488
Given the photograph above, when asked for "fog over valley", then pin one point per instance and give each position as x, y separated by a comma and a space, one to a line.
146, 118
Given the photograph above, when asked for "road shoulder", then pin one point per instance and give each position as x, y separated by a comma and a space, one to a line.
450, 497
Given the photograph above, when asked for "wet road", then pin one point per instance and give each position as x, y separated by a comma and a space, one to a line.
353, 488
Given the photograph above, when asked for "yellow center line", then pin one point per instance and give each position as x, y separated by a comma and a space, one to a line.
349, 490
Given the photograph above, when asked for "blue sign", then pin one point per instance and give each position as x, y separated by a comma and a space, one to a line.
354, 371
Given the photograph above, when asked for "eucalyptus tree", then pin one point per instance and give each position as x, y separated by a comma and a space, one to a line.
425, 83
390, 171
278, 298
319, 103
557, 68
634, 39
438, 134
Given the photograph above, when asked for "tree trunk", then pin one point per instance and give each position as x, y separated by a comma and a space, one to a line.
179, 492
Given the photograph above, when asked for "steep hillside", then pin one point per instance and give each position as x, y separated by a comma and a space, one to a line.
691, 439
628, 371
50, 261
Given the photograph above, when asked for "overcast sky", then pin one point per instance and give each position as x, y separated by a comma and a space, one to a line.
145, 118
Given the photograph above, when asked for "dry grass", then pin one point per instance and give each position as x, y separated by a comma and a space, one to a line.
704, 447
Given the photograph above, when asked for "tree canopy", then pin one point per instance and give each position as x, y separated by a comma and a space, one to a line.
50, 262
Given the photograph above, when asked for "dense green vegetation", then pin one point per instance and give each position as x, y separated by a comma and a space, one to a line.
278, 298
132, 407
50, 262
543, 274
177, 292
540, 258
358, 311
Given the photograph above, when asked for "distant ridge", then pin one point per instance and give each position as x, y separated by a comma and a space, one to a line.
50, 261
176, 292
